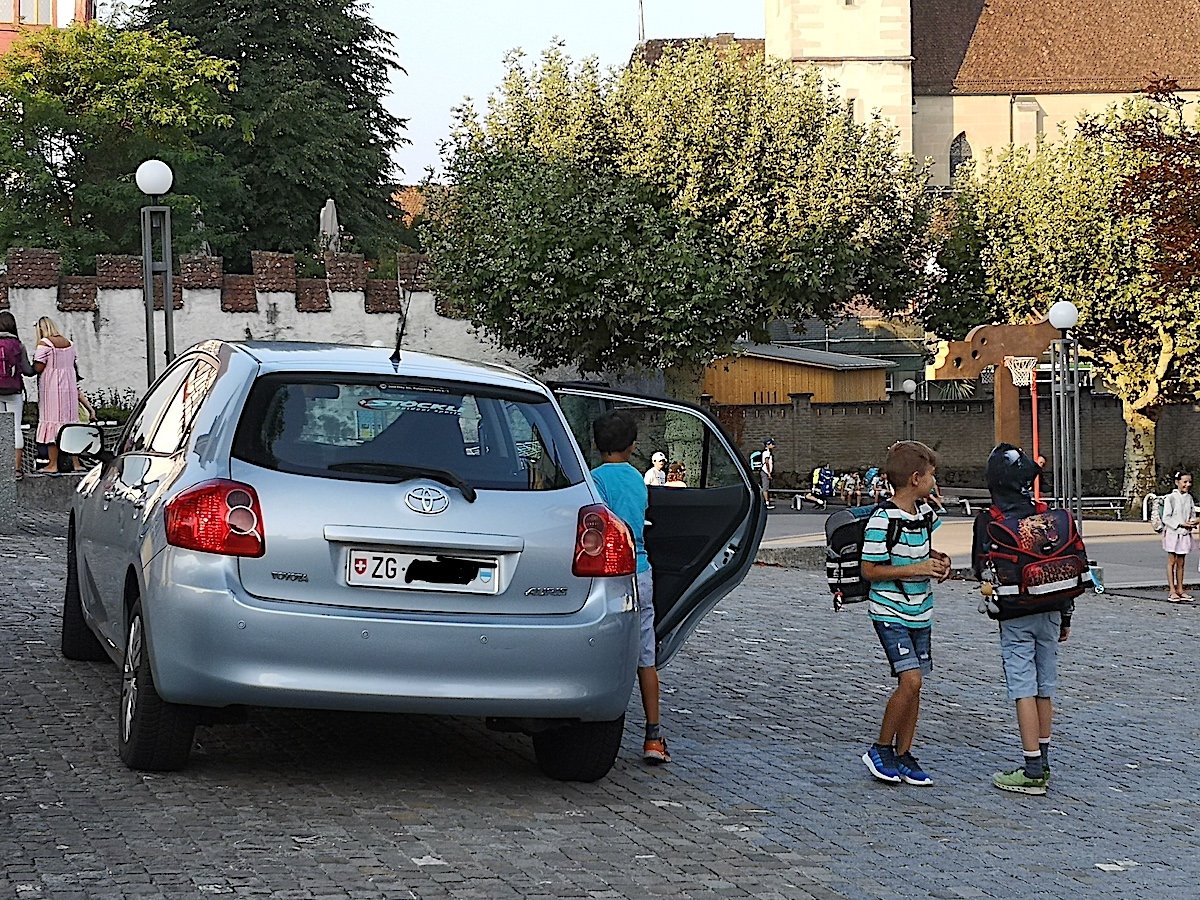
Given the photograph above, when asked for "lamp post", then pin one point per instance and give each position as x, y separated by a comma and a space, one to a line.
910, 409
1064, 409
154, 178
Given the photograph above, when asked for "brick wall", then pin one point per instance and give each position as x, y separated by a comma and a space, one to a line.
273, 273
857, 435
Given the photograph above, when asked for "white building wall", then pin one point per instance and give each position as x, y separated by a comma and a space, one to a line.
864, 46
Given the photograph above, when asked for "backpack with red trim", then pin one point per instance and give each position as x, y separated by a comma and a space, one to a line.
1039, 560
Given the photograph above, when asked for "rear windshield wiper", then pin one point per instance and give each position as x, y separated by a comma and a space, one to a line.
400, 473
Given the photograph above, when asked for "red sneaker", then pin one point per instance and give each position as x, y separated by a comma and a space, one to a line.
656, 751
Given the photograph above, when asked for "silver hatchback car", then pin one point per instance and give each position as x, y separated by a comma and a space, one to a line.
347, 528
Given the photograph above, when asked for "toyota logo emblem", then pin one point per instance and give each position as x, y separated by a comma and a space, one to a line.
428, 501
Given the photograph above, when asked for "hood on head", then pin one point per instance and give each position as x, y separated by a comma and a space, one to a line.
1010, 475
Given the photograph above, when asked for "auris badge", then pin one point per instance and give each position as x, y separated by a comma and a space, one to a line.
428, 501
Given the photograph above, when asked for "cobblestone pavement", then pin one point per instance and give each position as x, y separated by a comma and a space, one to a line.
767, 709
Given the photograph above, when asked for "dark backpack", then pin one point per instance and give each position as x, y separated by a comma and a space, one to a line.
843, 549
824, 482
1039, 561
10, 366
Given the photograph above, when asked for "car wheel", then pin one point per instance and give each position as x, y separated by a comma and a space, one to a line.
78, 642
154, 735
581, 751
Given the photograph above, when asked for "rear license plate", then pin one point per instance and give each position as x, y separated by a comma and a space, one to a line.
422, 571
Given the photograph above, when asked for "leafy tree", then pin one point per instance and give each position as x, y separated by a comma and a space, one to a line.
80, 108
651, 217
311, 122
1075, 221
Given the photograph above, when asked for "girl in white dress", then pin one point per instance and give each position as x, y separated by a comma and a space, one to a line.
1179, 520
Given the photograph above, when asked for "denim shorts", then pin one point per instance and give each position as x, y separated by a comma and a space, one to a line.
906, 648
647, 655
1029, 652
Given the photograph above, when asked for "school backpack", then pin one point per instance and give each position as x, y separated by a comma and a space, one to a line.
843, 548
1038, 560
823, 482
1156, 511
756, 460
10, 366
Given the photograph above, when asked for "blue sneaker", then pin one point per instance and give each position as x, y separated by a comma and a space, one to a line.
881, 761
910, 770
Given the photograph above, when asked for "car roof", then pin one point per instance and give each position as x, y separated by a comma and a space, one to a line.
304, 356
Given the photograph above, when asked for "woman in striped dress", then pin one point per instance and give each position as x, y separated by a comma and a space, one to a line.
58, 390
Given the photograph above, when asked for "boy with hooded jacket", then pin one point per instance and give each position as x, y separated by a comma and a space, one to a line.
1028, 641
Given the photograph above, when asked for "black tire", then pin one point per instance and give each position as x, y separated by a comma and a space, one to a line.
78, 641
581, 751
153, 735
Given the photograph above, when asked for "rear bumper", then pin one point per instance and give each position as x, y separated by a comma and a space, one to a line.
212, 645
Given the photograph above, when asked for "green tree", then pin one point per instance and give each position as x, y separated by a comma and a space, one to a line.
1066, 223
311, 122
651, 217
80, 108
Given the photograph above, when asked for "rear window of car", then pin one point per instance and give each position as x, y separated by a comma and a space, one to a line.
370, 429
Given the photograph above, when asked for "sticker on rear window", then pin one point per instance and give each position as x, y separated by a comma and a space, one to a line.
444, 409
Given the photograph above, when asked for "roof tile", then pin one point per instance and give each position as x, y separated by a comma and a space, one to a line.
1069, 46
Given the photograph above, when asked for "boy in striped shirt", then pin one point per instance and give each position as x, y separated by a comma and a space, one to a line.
899, 560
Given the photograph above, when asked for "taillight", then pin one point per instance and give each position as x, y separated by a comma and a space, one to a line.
218, 516
603, 544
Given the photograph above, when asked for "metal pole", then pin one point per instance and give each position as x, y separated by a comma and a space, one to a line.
1037, 447
168, 287
1060, 412
1064, 424
1075, 435
148, 287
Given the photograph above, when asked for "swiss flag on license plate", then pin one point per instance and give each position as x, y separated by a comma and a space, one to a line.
360, 565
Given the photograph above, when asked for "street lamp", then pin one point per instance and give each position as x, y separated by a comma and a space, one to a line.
910, 388
1064, 409
154, 178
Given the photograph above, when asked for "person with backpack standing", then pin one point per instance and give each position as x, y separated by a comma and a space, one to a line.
899, 561
1178, 524
14, 367
1032, 565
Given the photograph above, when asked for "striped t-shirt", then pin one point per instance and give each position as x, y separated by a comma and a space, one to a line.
888, 601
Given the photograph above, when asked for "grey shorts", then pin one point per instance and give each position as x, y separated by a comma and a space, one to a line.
765, 479
647, 655
1029, 652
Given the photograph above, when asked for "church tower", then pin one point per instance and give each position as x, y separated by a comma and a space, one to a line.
865, 46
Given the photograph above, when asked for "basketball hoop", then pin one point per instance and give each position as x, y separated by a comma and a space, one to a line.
987, 375
1021, 368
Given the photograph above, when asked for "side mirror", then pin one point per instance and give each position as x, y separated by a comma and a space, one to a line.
83, 440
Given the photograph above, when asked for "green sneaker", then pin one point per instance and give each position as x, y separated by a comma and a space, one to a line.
1020, 783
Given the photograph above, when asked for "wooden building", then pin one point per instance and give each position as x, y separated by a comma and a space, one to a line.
764, 373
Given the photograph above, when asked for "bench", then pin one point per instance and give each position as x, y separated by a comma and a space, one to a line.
795, 496
1115, 505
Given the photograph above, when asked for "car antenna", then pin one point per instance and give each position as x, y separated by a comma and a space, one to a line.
395, 357
406, 295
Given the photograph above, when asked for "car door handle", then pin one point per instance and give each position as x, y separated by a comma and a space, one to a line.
110, 496
138, 502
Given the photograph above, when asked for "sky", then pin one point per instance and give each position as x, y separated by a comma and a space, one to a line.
453, 49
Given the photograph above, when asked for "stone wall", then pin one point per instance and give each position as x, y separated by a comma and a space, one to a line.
857, 435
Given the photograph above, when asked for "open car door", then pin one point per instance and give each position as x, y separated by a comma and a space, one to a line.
702, 531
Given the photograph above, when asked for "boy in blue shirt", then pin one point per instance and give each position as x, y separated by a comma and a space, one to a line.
623, 490
899, 560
